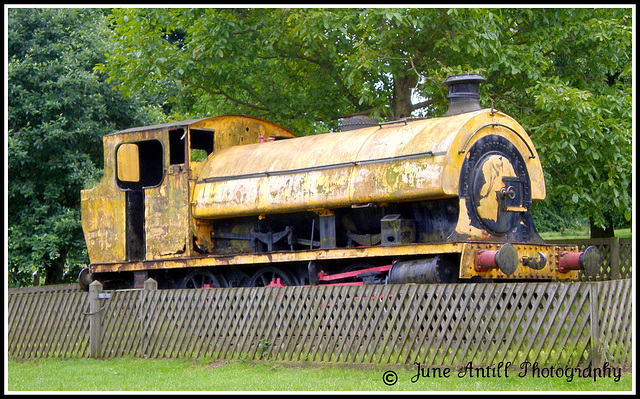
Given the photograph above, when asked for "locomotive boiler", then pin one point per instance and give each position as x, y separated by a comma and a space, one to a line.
234, 201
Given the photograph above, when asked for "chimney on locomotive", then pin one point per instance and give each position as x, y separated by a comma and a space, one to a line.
464, 93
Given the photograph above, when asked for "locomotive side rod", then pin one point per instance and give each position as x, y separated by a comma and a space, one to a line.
322, 276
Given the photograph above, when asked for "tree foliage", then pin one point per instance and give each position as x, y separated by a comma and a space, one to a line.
59, 109
564, 74
574, 98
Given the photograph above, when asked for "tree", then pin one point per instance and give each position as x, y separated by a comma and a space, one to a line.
59, 109
575, 100
565, 74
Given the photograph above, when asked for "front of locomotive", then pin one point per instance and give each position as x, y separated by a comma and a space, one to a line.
495, 171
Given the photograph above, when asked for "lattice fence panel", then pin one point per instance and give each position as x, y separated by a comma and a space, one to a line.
626, 256
120, 324
558, 323
615, 320
430, 324
488, 323
48, 324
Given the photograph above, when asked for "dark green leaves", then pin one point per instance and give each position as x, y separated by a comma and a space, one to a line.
59, 109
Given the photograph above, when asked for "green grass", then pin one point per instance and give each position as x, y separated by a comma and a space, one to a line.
186, 375
579, 235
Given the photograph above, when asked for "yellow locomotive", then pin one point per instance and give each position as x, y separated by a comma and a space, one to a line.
239, 201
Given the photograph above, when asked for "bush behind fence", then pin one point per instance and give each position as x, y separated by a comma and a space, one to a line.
571, 324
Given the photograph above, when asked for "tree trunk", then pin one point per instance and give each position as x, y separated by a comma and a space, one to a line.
599, 232
55, 271
401, 101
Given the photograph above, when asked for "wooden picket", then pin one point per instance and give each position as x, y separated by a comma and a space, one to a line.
557, 323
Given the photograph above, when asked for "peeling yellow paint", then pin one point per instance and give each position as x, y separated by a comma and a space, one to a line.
375, 164
493, 169
103, 222
464, 228
168, 224
103, 213
128, 163
233, 130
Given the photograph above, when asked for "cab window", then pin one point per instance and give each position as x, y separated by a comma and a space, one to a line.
139, 165
201, 144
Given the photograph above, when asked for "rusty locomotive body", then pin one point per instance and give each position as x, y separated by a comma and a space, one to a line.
238, 201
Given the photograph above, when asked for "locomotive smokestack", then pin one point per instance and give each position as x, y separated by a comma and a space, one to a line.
464, 93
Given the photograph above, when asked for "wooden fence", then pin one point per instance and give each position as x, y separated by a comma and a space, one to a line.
558, 323
47, 322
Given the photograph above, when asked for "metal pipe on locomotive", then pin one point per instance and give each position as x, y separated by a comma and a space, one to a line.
235, 201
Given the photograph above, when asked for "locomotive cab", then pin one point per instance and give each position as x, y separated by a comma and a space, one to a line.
139, 214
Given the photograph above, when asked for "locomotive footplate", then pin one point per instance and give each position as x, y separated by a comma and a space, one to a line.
487, 260
281, 257
526, 261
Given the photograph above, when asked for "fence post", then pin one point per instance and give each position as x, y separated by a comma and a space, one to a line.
595, 324
150, 285
95, 319
615, 258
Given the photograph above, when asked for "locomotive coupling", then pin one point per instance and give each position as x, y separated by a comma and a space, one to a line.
535, 263
589, 260
505, 259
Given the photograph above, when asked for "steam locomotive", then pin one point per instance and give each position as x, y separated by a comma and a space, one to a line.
234, 201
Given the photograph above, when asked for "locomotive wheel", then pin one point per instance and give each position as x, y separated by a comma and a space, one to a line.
263, 277
198, 278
